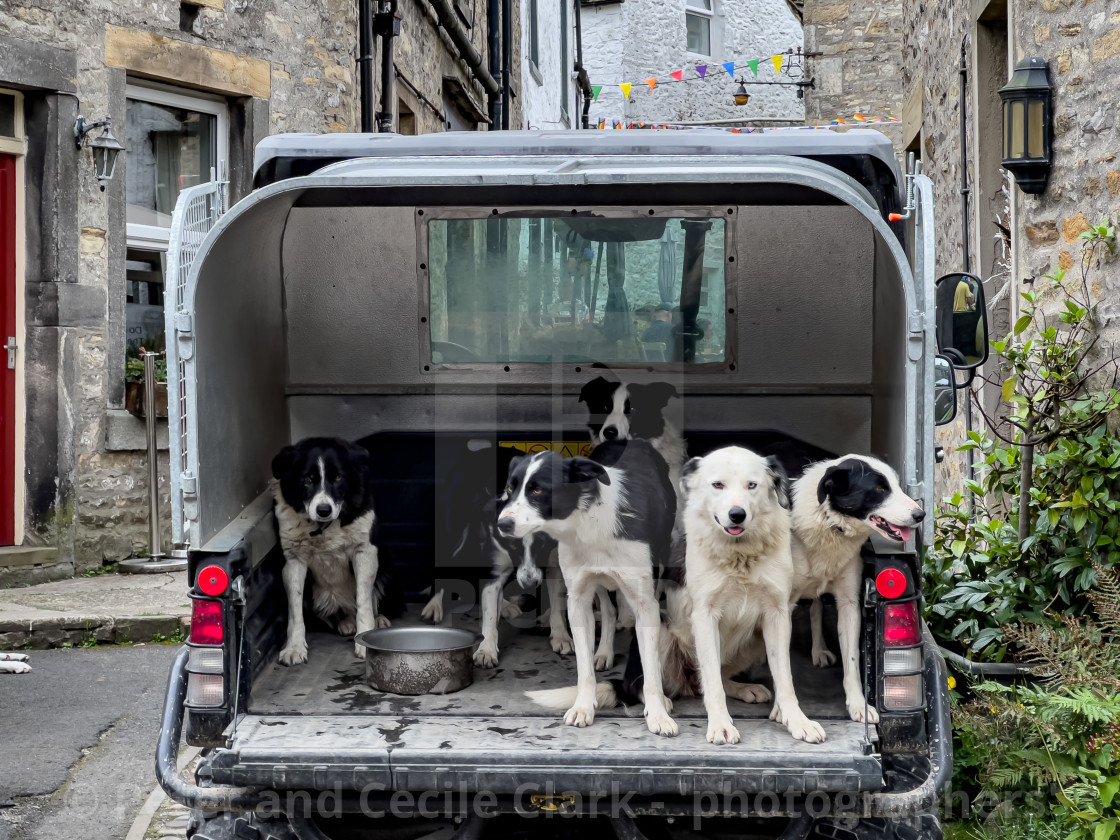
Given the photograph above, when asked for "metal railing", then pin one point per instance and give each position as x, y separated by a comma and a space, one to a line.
196, 212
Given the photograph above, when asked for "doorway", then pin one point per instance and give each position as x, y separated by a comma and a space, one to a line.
8, 355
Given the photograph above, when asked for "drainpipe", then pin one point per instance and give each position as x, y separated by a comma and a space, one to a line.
964, 231
495, 50
581, 72
507, 60
365, 64
449, 20
388, 27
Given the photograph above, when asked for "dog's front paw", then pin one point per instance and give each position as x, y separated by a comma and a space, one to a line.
752, 693
486, 656
563, 645
660, 723
510, 609
822, 657
545, 618
347, 627
580, 715
604, 660
722, 732
359, 650
294, 654
381, 622
433, 610
856, 709
803, 729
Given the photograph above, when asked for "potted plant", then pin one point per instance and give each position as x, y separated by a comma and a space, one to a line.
134, 377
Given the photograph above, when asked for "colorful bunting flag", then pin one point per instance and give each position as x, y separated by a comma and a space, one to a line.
595, 91
753, 64
652, 82
678, 75
701, 70
729, 66
859, 118
625, 86
777, 59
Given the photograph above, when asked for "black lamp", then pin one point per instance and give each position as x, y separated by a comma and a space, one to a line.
106, 148
1027, 137
741, 95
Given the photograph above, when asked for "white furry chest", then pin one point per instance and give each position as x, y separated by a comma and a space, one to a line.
328, 555
821, 558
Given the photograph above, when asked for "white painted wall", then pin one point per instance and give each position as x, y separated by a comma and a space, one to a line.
635, 39
541, 83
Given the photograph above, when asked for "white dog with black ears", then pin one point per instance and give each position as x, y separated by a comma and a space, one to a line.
837, 505
739, 579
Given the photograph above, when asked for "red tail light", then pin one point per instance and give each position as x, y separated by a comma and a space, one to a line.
901, 625
206, 623
213, 580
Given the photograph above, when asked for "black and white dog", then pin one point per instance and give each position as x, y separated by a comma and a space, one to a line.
14, 663
612, 517
324, 509
837, 505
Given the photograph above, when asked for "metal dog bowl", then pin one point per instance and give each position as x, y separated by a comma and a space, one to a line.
418, 660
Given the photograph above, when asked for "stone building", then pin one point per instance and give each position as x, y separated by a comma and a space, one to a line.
1009, 238
549, 57
632, 41
190, 87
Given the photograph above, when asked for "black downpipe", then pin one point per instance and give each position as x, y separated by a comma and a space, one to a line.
581, 72
507, 60
964, 234
495, 42
387, 28
365, 63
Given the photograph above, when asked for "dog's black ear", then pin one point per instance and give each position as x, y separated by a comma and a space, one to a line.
835, 481
687, 471
513, 462
283, 461
582, 470
359, 456
655, 394
779, 481
596, 385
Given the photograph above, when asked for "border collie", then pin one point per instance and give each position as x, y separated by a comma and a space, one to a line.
14, 663
837, 505
324, 508
612, 517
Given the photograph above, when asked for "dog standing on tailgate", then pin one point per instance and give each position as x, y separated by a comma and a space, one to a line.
739, 579
837, 505
324, 508
612, 518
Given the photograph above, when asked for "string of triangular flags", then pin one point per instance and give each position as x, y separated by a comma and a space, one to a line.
854, 120
779, 60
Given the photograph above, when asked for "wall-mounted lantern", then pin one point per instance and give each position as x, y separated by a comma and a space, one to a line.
741, 95
105, 148
1027, 137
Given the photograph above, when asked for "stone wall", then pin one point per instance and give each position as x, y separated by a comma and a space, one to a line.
637, 39
858, 71
282, 66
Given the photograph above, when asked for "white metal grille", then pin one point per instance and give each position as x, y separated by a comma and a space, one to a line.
196, 212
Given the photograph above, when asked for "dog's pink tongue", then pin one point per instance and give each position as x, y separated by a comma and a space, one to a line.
735, 530
905, 532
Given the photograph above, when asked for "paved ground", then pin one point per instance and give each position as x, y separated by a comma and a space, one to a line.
108, 608
78, 741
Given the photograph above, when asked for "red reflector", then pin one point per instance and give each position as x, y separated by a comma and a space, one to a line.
213, 580
900, 625
891, 583
894, 217
206, 623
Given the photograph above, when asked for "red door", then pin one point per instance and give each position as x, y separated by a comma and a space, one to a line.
7, 357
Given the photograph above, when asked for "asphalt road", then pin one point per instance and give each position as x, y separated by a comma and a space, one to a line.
77, 741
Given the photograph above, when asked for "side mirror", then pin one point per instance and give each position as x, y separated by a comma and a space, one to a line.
962, 318
944, 391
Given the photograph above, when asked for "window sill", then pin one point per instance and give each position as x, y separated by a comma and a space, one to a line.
125, 432
535, 72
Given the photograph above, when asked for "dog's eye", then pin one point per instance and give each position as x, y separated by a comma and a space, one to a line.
751, 485
718, 485
509, 490
535, 491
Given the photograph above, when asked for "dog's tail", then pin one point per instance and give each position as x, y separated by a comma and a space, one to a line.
608, 695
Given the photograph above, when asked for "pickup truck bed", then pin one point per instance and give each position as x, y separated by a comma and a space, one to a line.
320, 723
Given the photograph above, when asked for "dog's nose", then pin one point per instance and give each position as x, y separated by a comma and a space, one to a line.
609, 433
917, 514
736, 515
323, 510
506, 525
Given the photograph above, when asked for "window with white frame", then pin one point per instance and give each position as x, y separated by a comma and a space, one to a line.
174, 139
698, 24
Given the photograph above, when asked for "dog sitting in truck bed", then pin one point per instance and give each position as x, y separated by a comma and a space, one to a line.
324, 509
